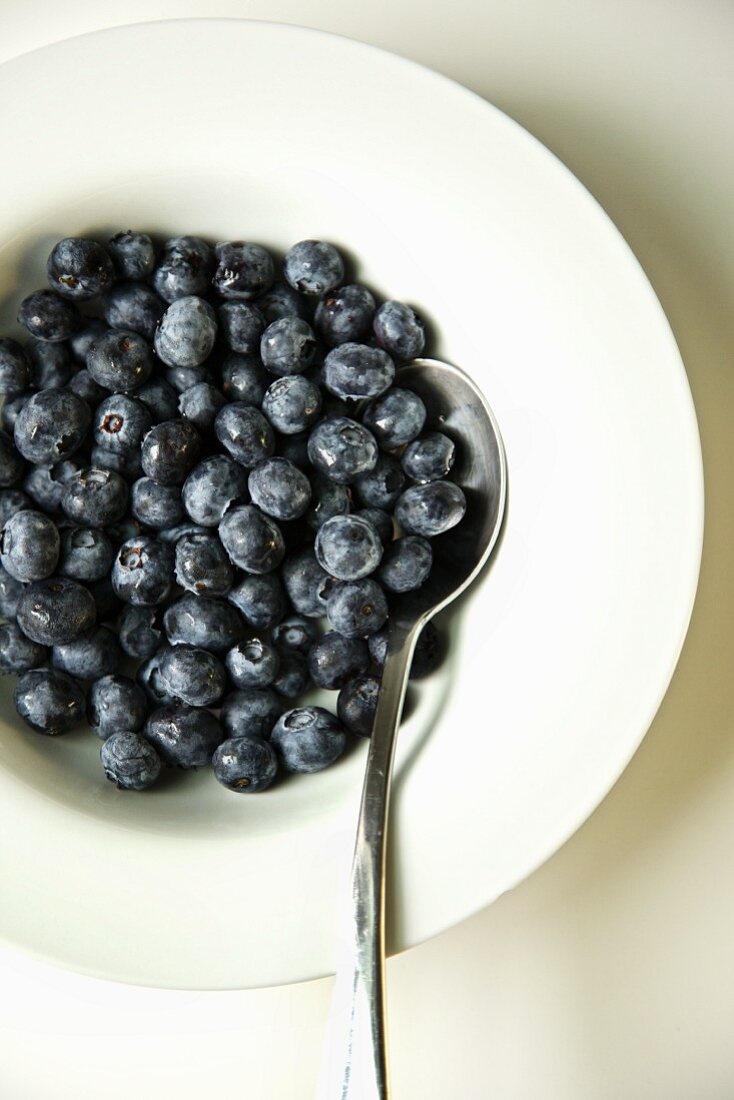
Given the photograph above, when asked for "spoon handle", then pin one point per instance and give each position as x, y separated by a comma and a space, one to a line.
355, 1057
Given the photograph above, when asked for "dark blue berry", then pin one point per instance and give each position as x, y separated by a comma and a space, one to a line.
242, 325
29, 546
120, 423
293, 676
10, 593
212, 487
251, 713
399, 330
341, 449
51, 364
313, 267
244, 270
156, 505
328, 499
18, 653
245, 433
279, 489
395, 418
306, 583
357, 608
149, 679
348, 547
381, 487
140, 631
161, 399
295, 635
51, 426
193, 675
186, 333
430, 509
133, 254
308, 739
86, 554
203, 621
170, 450
94, 497
253, 541
380, 520
245, 765
200, 404
126, 463
11, 462
134, 307
292, 404
202, 566
11, 408
429, 458
345, 315
244, 378
130, 761
261, 600
334, 660
288, 346
356, 371
49, 701
427, 656
252, 664
120, 360
184, 268
79, 268
84, 386
15, 368
116, 703
12, 501
356, 704
282, 301
142, 572
181, 379
89, 331
406, 564
97, 653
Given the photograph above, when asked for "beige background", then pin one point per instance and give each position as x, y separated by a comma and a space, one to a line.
608, 974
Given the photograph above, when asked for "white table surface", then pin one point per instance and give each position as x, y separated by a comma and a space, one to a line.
608, 974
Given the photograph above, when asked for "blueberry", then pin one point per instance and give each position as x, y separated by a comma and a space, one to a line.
97, 653
11, 408
170, 451
84, 386
306, 583
357, 608
328, 499
11, 463
18, 653
253, 541
45, 484
251, 713
29, 546
244, 378
279, 489
399, 330
395, 418
430, 509
160, 398
345, 315
287, 346
252, 664
313, 267
120, 423
128, 528
181, 379
132, 254
49, 701
381, 487
156, 505
12, 501
149, 679
89, 331
140, 631
202, 621
341, 449
308, 739
94, 497
116, 703
348, 547
130, 761
193, 675
142, 572
282, 301
51, 364
51, 426
293, 676
212, 487
245, 433
429, 458
202, 565
125, 463
355, 371
15, 368
120, 360
333, 660
134, 307
292, 404
427, 655
295, 635
380, 520
261, 600
186, 334
200, 404
184, 268
79, 268
244, 270
406, 564
356, 704
86, 554
10, 593
245, 764
242, 325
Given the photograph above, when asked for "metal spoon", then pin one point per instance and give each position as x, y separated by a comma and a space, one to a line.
355, 1062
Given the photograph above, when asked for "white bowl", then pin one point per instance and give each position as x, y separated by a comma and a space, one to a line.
562, 653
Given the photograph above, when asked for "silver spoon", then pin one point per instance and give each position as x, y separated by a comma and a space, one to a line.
355, 1062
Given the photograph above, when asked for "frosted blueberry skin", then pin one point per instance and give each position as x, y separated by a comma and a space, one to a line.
357, 608
148, 677
381, 486
202, 565
125, 464
29, 546
380, 520
84, 386
253, 541
120, 423
341, 449
133, 306
12, 466
292, 404
252, 664
348, 547
251, 713
399, 330
245, 765
170, 450
130, 761
406, 564
18, 653
186, 334
10, 593
245, 433
279, 489
430, 509
200, 404
79, 268
241, 325
203, 621
429, 458
307, 584
334, 660
94, 497
295, 634
244, 378
395, 418
55, 611
183, 736
132, 254
313, 267
345, 315
51, 426
11, 408
244, 270
181, 379
156, 505
193, 675
160, 398
12, 501
49, 701
89, 331
142, 572
50, 363
185, 268
328, 499
212, 487
287, 346
15, 368
356, 371
121, 360
45, 484
140, 631
308, 739
293, 677
282, 300
97, 653
115, 703
356, 704
260, 599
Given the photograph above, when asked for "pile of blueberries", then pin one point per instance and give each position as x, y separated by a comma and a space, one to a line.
197, 466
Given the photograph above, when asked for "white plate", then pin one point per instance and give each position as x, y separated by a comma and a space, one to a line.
561, 656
